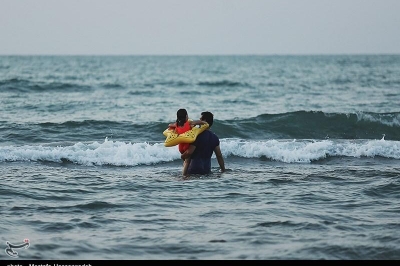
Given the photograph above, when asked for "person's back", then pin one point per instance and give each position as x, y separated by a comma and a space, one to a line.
201, 150
200, 162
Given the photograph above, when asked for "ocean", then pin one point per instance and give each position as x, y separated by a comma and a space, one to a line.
311, 144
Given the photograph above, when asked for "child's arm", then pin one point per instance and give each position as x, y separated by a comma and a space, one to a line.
173, 125
196, 122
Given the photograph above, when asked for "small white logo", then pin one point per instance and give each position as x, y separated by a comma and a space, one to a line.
10, 249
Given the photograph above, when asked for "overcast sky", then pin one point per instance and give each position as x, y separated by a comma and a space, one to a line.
199, 27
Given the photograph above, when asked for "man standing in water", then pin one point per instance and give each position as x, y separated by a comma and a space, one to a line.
201, 150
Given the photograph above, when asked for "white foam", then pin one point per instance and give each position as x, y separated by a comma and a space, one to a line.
305, 151
106, 153
132, 154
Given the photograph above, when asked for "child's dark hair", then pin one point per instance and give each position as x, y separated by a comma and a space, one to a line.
181, 117
208, 117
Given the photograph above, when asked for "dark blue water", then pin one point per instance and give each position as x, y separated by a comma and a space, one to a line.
311, 144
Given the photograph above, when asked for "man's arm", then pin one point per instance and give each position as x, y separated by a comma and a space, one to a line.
188, 152
220, 159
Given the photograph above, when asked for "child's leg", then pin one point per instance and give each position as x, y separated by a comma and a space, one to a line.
185, 166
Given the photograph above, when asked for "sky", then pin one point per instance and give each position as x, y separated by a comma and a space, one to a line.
199, 27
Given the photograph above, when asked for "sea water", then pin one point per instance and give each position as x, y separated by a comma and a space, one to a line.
311, 145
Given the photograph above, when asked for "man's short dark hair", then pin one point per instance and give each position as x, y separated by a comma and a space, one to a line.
208, 117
